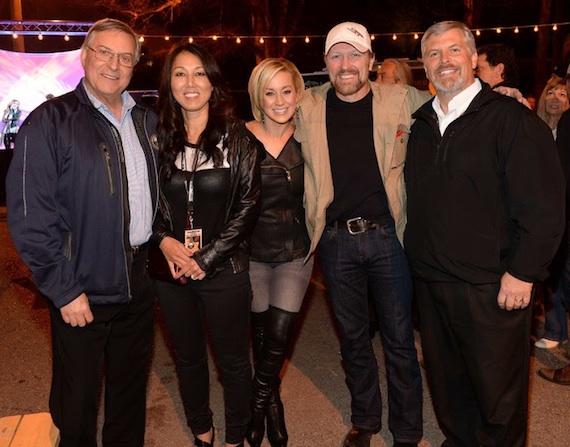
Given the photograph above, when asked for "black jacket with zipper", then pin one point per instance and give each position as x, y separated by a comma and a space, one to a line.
484, 198
280, 234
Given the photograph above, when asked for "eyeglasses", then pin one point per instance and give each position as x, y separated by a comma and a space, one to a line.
104, 55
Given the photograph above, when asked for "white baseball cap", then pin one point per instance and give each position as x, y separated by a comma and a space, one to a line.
351, 33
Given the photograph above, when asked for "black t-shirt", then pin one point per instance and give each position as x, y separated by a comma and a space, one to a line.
358, 187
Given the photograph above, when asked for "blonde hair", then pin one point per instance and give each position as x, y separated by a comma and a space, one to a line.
262, 75
554, 83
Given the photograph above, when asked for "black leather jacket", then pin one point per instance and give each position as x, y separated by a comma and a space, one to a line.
242, 208
280, 234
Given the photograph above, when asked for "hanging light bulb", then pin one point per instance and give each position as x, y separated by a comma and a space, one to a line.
307, 40
517, 30
66, 37
190, 39
372, 37
167, 38
416, 36
478, 33
261, 40
535, 29
141, 39
284, 40
40, 36
214, 37
499, 31
238, 40
394, 37
14, 35
554, 27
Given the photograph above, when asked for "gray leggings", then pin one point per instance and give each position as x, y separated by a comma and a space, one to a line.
279, 284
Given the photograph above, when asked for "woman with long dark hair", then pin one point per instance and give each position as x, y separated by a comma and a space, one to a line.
210, 186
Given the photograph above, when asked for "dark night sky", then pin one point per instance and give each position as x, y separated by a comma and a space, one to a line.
380, 16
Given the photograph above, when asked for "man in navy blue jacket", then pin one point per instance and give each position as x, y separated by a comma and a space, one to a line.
82, 194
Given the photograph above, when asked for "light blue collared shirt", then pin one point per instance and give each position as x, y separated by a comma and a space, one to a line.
457, 106
140, 203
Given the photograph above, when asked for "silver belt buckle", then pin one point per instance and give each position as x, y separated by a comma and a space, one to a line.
349, 227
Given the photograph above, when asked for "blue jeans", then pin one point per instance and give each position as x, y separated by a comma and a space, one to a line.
555, 317
374, 262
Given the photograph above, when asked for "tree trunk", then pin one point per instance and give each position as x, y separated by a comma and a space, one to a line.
543, 68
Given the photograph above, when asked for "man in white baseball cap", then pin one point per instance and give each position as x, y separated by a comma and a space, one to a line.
351, 33
353, 135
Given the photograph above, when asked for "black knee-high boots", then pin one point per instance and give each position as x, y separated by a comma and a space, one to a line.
270, 342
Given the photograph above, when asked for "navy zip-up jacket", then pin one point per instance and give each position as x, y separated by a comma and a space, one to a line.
67, 202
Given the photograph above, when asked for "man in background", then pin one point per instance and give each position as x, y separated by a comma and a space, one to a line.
497, 65
394, 71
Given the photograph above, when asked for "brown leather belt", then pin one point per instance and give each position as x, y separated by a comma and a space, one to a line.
357, 225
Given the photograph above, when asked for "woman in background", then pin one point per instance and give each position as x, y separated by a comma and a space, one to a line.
210, 185
553, 102
279, 271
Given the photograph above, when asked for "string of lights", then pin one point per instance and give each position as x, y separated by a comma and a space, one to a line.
69, 29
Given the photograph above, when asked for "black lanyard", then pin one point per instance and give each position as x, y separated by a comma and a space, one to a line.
189, 185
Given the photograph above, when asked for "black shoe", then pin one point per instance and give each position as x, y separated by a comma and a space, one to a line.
358, 437
276, 430
200, 443
256, 429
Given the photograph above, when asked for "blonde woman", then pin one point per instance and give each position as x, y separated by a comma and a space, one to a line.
279, 244
553, 102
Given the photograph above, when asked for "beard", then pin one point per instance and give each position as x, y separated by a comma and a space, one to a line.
448, 86
348, 88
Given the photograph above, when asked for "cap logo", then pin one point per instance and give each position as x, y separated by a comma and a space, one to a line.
355, 31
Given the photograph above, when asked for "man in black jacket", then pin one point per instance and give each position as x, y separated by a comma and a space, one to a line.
82, 194
485, 217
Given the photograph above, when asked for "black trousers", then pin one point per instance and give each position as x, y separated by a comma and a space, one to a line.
223, 304
120, 338
477, 363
